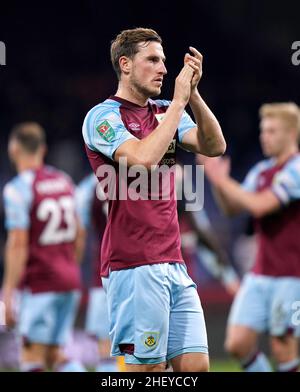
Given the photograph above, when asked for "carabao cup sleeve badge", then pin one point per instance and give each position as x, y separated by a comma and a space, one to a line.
106, 131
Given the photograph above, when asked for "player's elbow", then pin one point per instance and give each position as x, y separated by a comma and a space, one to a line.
218, 149
257, 212
215, 149
144, 163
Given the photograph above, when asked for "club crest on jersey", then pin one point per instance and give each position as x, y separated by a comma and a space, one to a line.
150, 339
106, 131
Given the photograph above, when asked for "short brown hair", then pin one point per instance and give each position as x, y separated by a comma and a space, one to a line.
289, 112
30, 135
126, 44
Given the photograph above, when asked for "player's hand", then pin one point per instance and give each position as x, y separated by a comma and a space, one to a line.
216, 169
233, 287
195, 61
183, 81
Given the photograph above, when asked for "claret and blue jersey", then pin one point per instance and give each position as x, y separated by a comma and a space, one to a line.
138, 232
42, 202
279, 246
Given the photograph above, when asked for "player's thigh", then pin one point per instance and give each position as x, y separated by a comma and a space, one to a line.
240, 340
191, 362
250, 307
286, 294
187, 330
66, 311
139, 303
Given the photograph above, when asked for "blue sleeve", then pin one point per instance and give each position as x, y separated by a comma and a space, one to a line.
104, 130
85, 193
186, 124
286, 183
17, 197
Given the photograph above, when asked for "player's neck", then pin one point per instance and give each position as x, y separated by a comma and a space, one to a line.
286, 154
131, 94
31, 163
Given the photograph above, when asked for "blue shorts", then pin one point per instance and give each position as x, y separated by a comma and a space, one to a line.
156, 310
48, 318
97, 314
265, 303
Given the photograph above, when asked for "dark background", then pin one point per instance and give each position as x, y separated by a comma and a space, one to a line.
58, 67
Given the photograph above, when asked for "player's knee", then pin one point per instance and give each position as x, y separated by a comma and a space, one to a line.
32, 352
191, 364
54, 357
201, 366
237, 346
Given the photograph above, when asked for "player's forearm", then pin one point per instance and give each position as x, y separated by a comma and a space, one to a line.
80, 242
152, 148
225, 203
210, 138
15, 259
235, 197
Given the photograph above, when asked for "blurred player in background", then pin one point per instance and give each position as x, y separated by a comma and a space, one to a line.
154, 309
40, 252
93, 215
271, 193
200, 244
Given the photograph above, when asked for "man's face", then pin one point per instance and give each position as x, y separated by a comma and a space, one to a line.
274, 136
148, 69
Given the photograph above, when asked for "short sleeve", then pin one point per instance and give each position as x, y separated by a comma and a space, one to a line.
17, 197
286, 183
186, 124
104, 130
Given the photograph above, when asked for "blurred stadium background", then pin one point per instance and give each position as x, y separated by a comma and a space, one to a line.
58, 67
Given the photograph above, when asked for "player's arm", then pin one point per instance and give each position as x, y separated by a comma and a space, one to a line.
207, 138
17, 199
150, 150
80, 241
219, 266
257, 204
15, 258
232, 197
84, 195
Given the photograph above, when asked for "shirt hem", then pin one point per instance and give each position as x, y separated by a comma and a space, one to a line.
118, 266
